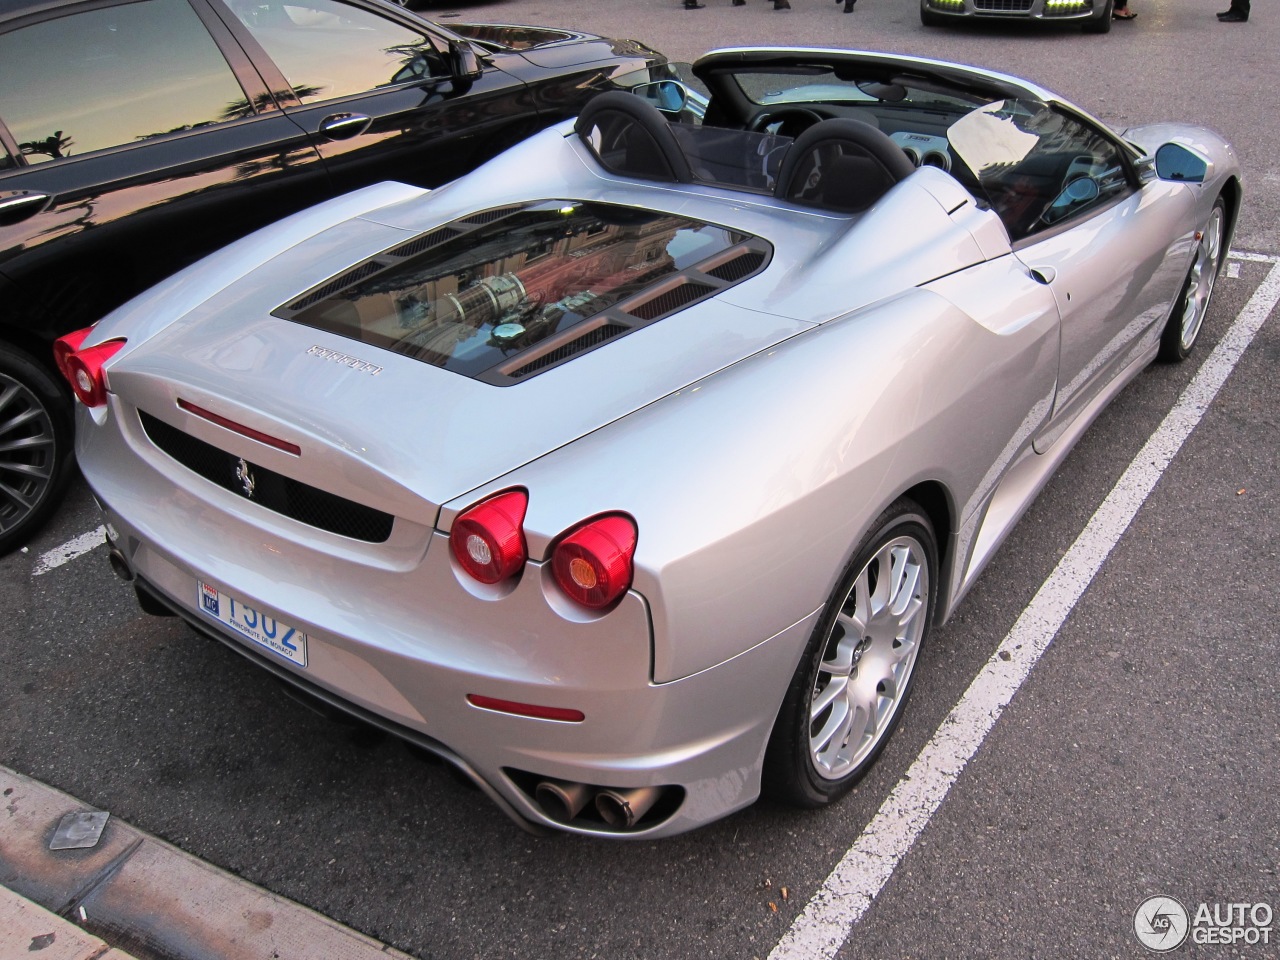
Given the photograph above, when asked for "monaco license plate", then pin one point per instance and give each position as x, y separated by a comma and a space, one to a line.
280, 638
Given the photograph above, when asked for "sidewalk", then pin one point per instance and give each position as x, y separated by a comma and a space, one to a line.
132, 896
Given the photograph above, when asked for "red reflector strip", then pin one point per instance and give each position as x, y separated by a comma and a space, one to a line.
526, 709
241, 429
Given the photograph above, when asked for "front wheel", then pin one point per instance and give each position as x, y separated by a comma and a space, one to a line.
1101, 24
849, 689
35, 446
1183, 327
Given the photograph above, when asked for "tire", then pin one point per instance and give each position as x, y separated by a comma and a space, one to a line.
930, 19
1101, 24
1187, 319
846, 683
35, 446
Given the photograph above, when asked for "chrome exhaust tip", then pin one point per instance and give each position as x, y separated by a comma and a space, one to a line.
119, 565
562, 800
622, 808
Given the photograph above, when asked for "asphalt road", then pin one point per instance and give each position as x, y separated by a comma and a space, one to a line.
1138, 758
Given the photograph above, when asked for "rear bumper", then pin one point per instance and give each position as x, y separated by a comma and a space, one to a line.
396, 636
402, 642
701, 739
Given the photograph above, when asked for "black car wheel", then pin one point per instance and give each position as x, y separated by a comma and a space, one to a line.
1101, 24
35, 447
848, 692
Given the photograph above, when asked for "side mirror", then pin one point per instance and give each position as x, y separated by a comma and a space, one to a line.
667, 95
1177, 161
466, 62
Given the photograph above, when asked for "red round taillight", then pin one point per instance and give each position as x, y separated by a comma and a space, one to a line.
488, 539
65, 346
593, 563
84, 370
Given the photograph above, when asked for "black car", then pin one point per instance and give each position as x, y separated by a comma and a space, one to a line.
137, 136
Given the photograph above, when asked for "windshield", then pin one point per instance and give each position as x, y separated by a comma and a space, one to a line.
825, 84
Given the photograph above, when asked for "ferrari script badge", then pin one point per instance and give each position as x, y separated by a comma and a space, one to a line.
244, 478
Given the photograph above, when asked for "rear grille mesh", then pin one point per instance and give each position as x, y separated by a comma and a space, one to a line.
273, 491
488, 216
668, 300
584, 342
1003, 6
738, 267
424, 242
336, 284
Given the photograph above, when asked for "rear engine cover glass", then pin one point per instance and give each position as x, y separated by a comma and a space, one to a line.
512, 291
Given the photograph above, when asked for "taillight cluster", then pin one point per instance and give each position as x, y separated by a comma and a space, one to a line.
591, 562
82, 368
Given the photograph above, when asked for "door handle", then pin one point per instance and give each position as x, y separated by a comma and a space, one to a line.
344, 126
1045, 275
15, 207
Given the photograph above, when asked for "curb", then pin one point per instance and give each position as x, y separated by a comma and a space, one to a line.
133, 892
26, 927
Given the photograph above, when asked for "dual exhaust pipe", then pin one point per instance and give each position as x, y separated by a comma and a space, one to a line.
119, 565
620, 809
148, 600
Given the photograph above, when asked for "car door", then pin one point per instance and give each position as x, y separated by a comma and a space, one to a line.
1077, 218
379, 91
144, 138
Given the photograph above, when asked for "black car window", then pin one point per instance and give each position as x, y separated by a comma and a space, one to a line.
110, 76
328, 49
1037, 165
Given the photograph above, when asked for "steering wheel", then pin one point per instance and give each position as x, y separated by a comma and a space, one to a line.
790, 122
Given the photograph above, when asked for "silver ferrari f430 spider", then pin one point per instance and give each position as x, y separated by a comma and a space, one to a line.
630, 472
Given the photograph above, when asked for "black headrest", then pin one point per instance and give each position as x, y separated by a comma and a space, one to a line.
843, 165
629, 136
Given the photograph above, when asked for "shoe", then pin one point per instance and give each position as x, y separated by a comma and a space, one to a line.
693, 5
848, 6
1233, 17
739, 3
1124, 16
781, 5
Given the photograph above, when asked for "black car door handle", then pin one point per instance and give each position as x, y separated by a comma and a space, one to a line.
17, 206
344, 126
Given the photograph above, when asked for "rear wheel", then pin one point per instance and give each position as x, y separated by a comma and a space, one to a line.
1187, 319
848, 692
35, 446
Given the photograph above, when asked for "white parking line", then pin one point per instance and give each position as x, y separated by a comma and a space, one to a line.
69, 551
824, 925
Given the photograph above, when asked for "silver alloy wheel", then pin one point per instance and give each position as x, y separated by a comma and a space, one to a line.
1204, 273
868, 658
26, 452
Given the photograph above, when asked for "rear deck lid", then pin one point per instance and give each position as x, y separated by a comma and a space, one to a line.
449, 359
